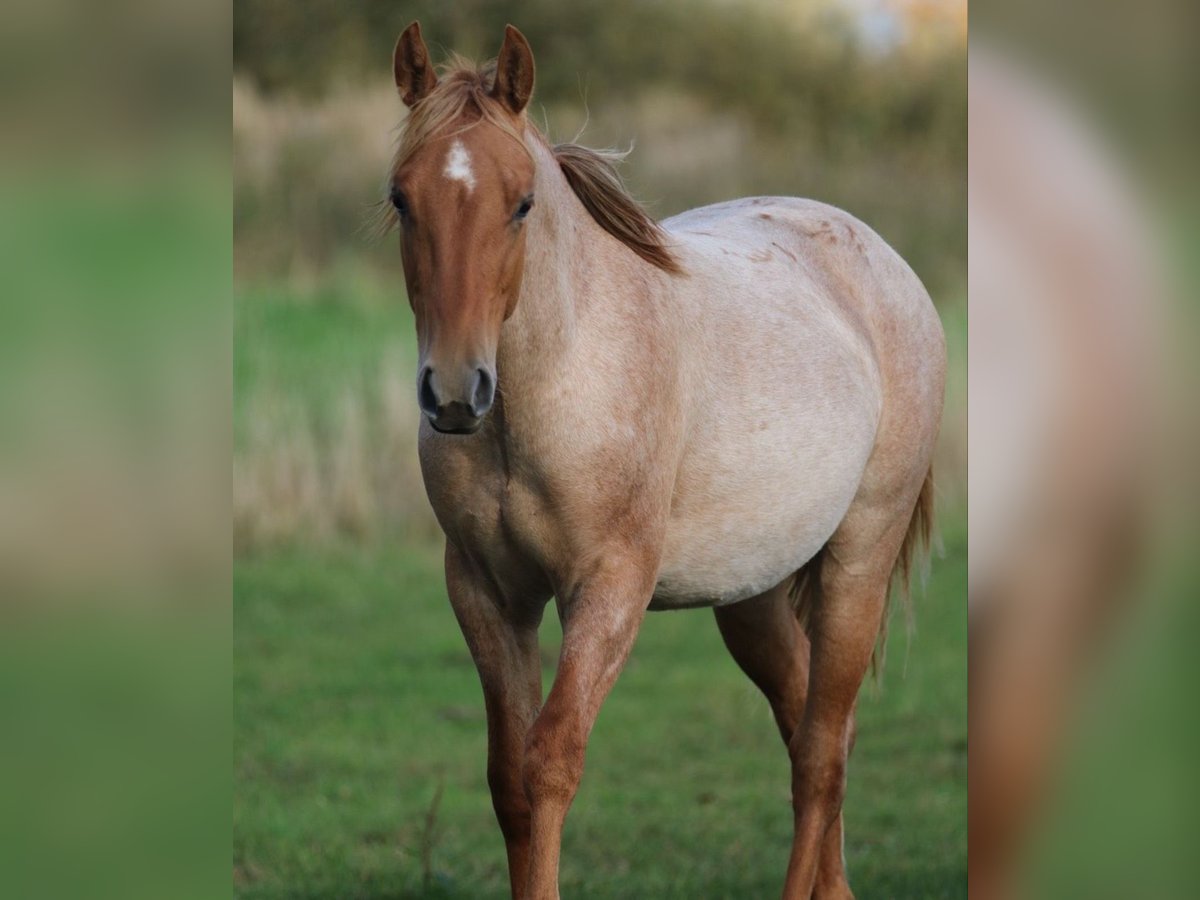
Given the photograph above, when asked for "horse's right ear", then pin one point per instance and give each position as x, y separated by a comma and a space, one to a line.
415, 77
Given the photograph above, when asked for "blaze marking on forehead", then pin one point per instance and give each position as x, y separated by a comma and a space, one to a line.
458, 165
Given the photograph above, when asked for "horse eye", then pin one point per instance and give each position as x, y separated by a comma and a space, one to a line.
400, 203
524, 208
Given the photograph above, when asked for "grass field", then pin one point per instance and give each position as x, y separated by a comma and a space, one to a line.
359, 756
360, 740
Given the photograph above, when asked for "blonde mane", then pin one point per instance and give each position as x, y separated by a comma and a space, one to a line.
462, 99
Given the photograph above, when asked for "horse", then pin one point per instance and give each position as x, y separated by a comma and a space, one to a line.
734, 408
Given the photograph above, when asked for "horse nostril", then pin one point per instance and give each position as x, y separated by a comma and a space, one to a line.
484, 392
426, 398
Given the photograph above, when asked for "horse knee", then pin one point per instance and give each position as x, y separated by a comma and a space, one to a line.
820, 785
553, 763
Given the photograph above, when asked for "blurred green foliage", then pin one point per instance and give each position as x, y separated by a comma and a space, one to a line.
785, 78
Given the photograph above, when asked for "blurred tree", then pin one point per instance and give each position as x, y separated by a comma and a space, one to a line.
829, 114
783, 76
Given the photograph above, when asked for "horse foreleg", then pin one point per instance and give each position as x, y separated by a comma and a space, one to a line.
505, 649
600, 621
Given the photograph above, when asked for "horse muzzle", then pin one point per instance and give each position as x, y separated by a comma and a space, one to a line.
456, 406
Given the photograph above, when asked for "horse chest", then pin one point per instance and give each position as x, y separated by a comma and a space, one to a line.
501, 520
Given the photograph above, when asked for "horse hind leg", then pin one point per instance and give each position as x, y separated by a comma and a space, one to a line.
768, 642
765, 639
873, 543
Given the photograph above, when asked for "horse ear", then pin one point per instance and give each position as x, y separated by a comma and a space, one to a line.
514, 71
415, 77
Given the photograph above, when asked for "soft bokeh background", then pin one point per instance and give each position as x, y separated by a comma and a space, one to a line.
1084, 497
360, 739
114, 449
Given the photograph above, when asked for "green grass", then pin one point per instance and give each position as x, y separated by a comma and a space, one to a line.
312, 348
356, 705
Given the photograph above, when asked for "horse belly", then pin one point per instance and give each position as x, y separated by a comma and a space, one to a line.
750, 537
768, 475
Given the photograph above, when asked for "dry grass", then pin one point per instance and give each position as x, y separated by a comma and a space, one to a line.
292, 484
305, 173
359, 119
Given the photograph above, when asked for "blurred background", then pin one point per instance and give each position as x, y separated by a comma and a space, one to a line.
360, 737
1084, 497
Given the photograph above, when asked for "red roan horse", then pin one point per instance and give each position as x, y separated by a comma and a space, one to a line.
736, 408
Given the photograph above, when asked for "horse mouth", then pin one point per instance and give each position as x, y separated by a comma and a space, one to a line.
457, 429
456, 419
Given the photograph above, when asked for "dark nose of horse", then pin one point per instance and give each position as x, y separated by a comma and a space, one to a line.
482, 392
426, 398
456, 411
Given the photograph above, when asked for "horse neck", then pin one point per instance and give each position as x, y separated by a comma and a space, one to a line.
543, 325
567, 269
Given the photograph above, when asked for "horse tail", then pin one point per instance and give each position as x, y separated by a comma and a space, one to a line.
805, 590
915, 549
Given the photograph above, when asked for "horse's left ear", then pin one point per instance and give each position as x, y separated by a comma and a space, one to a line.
514, 71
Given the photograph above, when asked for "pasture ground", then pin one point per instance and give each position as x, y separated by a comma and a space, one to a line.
360, 748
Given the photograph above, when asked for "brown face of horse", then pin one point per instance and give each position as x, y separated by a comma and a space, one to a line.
462, 198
